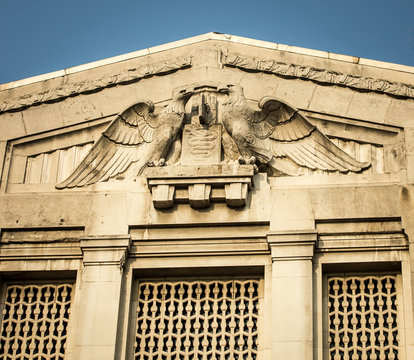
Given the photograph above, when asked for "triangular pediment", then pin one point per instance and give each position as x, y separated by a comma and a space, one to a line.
352, 106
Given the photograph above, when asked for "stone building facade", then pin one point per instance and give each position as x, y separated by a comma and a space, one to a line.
213, 198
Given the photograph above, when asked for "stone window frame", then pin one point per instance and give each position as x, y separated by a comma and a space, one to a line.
362, 263
133, 303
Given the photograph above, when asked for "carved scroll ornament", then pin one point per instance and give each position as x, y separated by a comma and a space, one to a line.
126, 77
322, 76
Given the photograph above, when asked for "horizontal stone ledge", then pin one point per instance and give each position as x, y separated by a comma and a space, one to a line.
361, 248
204, 171
105, 242
215, 181
290, 237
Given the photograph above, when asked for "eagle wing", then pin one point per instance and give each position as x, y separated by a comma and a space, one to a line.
292, 135
122, 143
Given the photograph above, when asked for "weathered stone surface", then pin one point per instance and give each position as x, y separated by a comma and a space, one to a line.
236, 194
163, 196
41, 118
297, 93
12, 126
369, 107
199, 195
410, 172
77, 110
331, 100
193, 172
401, 113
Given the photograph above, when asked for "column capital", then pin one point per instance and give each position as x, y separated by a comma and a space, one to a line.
292, 245
105, 249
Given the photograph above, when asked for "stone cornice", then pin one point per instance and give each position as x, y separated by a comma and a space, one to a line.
246, 63
125, 77
321, 76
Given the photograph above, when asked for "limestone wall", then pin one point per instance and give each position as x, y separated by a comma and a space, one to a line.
295, 235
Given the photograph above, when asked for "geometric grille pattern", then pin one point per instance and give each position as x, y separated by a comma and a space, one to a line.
197, 320
363, 317
35, 322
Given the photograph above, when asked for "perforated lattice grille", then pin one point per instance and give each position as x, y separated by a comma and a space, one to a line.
197, 320
363, 317
35, 321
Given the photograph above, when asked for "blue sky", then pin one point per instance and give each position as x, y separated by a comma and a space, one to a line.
40, 36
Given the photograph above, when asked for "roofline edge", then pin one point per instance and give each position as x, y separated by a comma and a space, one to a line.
204, 37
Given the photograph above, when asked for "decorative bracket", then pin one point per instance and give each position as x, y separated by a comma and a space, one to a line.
199, 185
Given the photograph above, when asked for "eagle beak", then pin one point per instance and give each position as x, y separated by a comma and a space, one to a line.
186, 93
224, 89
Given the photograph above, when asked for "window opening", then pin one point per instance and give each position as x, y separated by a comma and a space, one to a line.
363, 317
197, 320
35, 320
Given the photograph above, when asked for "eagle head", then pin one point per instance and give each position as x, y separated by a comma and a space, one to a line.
182, 94
232, 89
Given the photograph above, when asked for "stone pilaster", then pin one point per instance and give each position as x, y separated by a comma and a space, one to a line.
101, 279
292, 254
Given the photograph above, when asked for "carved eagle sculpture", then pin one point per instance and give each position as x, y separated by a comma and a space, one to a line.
136, 135
280, 136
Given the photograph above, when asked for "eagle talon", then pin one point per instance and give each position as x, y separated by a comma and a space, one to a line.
241, 160
251, 161
156, 163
